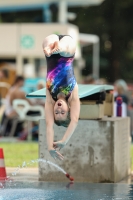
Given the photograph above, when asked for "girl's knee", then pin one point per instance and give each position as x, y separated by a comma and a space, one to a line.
67, 40
52, 37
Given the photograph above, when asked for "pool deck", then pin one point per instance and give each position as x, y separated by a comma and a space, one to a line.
25, 174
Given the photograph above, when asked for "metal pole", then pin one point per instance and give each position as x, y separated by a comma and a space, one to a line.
19, 63
46, 14
96, 59
94, 40
62, 15
19, 58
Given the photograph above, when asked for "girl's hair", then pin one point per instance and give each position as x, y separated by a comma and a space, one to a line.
64, 123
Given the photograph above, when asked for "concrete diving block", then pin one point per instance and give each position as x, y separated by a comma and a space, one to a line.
96, 100
99, 151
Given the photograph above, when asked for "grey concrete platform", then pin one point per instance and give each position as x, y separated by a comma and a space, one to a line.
99, 151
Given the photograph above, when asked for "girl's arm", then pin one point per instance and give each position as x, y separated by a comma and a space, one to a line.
74, 114
49, 127
49, 120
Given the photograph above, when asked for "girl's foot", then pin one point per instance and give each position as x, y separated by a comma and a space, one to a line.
47, 51
57, 48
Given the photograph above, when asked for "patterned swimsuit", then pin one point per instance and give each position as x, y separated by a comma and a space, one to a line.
60, 75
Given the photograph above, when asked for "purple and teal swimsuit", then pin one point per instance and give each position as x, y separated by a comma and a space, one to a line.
60, 75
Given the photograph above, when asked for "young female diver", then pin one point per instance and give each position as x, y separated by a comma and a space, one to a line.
62, 104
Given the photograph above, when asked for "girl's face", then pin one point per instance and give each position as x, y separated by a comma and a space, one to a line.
60, 110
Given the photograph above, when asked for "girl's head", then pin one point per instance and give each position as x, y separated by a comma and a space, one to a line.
121, 86
19, 81
61, 113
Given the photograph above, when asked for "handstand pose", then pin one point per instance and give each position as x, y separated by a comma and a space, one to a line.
62, 104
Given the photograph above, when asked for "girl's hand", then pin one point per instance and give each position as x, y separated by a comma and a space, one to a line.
55, 154
60, 144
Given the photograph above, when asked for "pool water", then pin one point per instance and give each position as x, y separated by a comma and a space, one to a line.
64, 191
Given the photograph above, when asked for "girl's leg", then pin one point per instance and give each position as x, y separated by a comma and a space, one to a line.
67, 46
49, 43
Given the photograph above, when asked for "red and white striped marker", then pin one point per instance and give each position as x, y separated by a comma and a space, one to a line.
2, 166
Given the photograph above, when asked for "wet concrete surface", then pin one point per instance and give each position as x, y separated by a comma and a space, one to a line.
25, 174
32, 174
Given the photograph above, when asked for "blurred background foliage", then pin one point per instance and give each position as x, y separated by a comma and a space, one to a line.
111, 21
